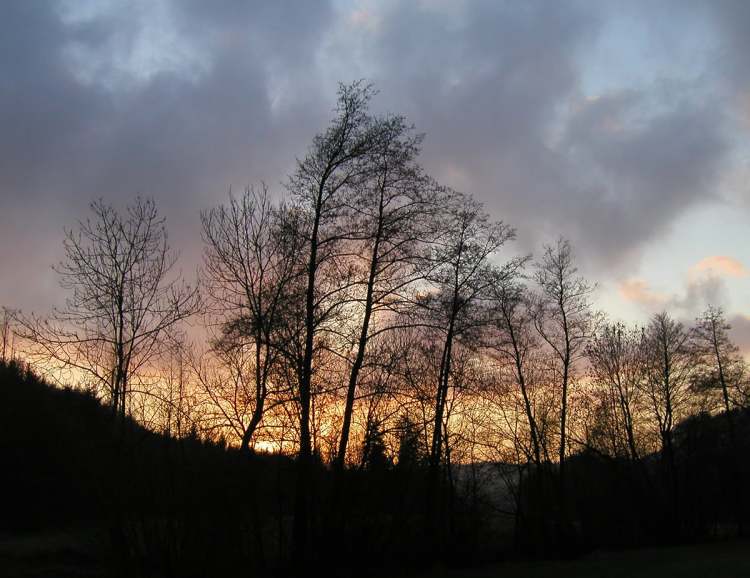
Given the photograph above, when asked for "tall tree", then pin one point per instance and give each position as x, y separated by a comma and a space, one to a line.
124, 299
615, 356
337, 164
513, 341
720, 361
392, 211
721, 365
461, 276
564, 321
670, 364
453, 304
251, 273
6, 334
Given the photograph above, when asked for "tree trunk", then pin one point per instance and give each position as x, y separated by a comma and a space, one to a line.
303, 487
358, 361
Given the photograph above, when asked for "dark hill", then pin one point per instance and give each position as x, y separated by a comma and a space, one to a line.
154, 504
84, 494
617, 503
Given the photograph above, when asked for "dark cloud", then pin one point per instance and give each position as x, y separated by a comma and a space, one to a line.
488, 85
732, 19
733, 23
498, 86
78, 128
181, 100
701, 293
636, 175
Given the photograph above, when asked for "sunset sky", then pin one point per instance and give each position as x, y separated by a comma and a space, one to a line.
622, 126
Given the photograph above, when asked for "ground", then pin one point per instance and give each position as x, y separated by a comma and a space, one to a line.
69, 554
721, 560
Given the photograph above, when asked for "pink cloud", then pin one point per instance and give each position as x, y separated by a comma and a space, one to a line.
638, 291
720, 265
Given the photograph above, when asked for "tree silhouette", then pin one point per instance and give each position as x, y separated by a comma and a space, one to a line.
251, 276
124, 300
564, 321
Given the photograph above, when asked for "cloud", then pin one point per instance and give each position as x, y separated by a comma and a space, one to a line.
638, 291
740, 333
704, 285
363, 18
701, 292
181, 99
97, 105
633, 170
719, 265
732, 20
508, 120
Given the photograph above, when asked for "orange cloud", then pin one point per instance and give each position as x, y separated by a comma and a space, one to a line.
720, 265
638, 291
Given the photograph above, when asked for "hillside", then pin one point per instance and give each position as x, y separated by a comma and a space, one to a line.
82, 491
84, 495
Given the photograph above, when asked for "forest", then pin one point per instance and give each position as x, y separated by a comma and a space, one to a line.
366, 375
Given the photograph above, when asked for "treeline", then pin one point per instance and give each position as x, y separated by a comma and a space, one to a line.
370, 319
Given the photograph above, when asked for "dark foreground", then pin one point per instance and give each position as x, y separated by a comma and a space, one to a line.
82, 494
718, 560
79, 554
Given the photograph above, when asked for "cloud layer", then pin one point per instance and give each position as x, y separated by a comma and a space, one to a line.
181, 100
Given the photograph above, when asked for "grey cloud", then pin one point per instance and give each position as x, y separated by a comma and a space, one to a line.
181, 137
741, 333
636, 175
732, 17
699, 294
496, 86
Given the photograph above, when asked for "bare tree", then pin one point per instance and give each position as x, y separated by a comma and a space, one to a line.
391, 210
514, 343
461, 276
564, 321
250, 274
124, 299
670, 365
417, 374
339, 161
615, 356
720, 363
179, 396
6, 335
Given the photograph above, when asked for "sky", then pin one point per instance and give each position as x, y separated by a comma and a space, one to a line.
624, 127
